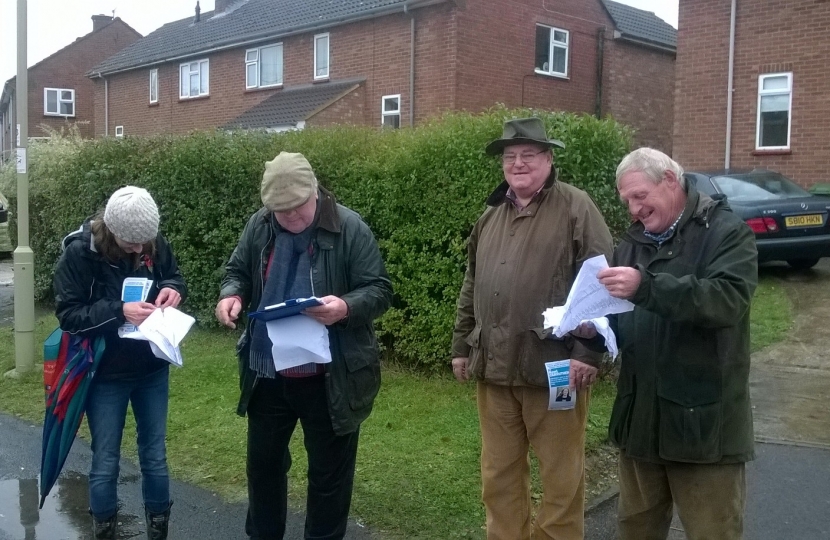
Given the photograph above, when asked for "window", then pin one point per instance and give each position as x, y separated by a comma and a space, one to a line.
263, 66
58, 102
321, 56
119, 132
552, 50
193, 79
390, 111
775, 94
154, 86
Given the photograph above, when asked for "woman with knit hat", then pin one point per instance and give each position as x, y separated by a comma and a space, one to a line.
122, 242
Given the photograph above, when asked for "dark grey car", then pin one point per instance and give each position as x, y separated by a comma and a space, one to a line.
790, 223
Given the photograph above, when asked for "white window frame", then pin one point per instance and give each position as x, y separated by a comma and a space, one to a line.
386, 114
554, 44
774, 92
202, 70
154, 86
119, 132
317, 39
252, 59
58, 101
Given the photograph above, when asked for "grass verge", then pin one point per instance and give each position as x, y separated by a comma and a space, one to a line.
771, 316
418, 472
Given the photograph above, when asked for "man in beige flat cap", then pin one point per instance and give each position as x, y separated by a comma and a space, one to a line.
302, 244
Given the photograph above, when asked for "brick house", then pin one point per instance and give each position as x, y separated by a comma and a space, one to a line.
779, 97
283, 64
60, 93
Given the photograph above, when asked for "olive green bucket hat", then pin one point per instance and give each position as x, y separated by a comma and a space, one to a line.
522, 131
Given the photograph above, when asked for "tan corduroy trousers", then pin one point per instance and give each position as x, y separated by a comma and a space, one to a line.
512, 419
710, 500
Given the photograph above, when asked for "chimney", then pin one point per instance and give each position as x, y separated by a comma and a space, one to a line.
221, 5
198, 11
100, 21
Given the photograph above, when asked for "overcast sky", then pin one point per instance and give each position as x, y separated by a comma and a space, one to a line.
55, 24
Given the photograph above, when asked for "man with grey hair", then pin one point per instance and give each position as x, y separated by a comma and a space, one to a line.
682, 417
301, 244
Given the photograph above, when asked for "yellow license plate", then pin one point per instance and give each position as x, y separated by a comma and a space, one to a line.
812, 220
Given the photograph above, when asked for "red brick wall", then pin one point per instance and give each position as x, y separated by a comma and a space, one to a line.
350, 109
376, 49
496, 54
67, 69
638, 90
789, 36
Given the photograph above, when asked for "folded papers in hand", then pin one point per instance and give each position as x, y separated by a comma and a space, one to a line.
164, 329
588, 301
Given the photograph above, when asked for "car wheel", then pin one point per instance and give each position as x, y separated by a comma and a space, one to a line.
802, 264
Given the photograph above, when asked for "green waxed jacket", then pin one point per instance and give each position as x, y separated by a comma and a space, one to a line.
683, 390
346, 262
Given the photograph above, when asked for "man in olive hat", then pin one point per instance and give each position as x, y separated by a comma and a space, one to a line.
523, 255
302, 244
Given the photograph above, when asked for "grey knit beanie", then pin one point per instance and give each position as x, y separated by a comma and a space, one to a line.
132, 215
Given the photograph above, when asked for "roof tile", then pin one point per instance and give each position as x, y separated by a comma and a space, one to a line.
642, 25
243, 21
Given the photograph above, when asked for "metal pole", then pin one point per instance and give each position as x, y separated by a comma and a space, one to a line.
730, 89
24, 259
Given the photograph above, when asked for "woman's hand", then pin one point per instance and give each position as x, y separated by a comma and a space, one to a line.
168, 298
137, 312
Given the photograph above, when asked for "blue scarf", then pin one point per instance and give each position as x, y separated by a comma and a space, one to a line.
288, 277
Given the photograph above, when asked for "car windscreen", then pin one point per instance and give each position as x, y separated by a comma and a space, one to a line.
758, 187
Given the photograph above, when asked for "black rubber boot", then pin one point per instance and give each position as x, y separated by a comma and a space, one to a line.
105, 530
157, 524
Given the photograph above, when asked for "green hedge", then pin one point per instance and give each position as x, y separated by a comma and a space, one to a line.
419, 189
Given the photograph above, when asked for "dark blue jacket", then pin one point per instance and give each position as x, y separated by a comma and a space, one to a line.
88, 300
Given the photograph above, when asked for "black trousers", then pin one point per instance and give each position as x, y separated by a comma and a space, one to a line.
274, 409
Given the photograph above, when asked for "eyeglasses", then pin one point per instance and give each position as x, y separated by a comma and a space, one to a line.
524, 157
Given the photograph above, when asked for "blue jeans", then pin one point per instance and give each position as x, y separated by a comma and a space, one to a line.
106, 412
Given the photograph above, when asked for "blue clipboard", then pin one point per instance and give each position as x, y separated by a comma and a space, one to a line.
289, 308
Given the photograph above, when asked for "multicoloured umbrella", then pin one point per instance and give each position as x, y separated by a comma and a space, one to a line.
74, 367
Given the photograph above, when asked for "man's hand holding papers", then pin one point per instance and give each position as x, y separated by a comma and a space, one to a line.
588, 301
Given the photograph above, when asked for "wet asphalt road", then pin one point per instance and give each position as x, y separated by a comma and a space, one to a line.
196, 513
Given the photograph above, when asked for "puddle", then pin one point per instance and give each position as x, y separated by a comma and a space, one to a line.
64, 515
